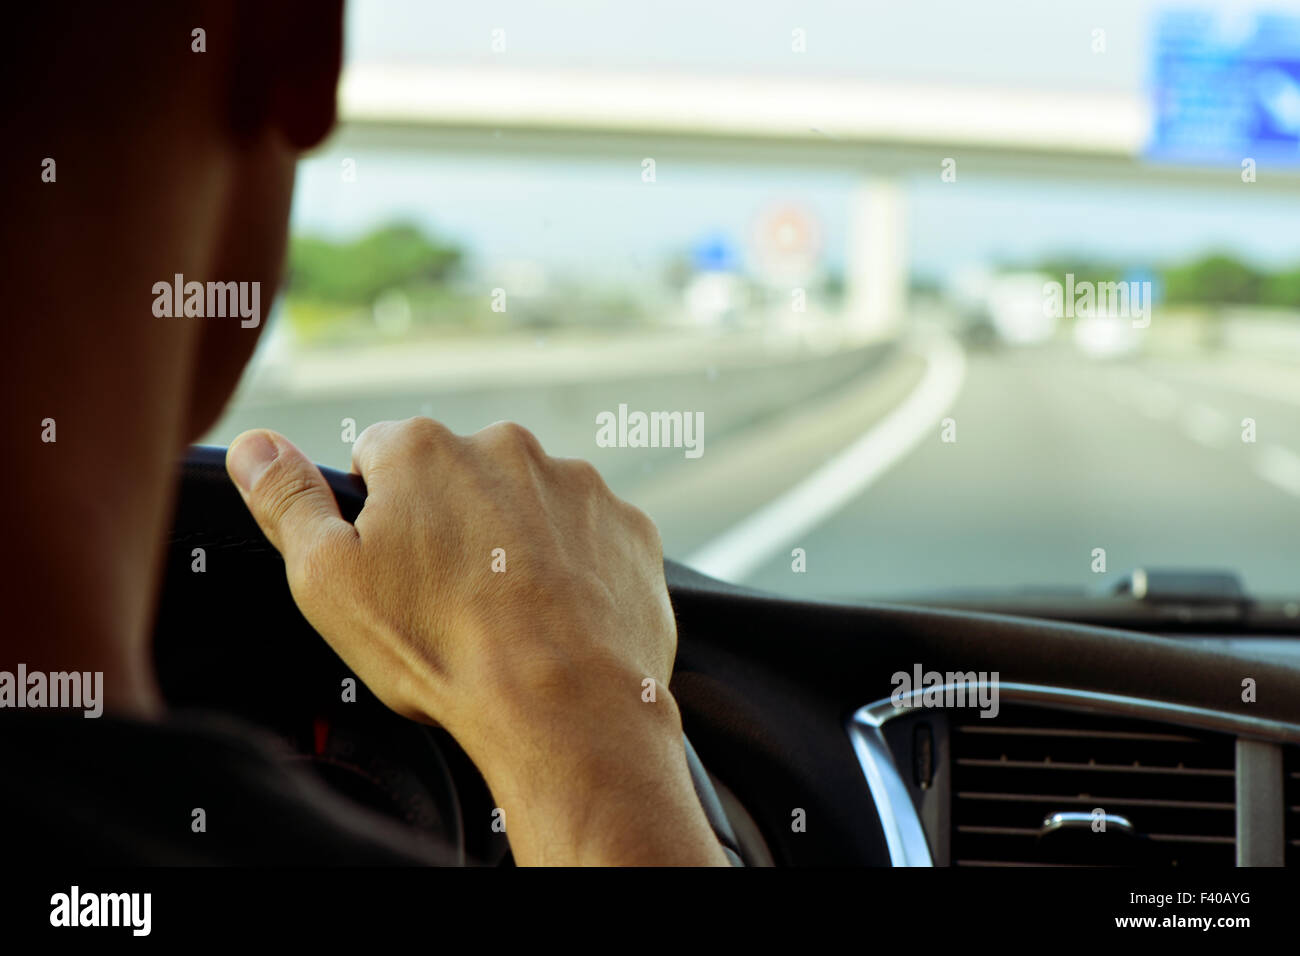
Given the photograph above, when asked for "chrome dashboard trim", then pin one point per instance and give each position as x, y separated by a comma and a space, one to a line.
904, 834
879, 712
1068, 820
1261, 803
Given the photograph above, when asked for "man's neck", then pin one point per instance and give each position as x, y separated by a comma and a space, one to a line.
97, 389
86, 529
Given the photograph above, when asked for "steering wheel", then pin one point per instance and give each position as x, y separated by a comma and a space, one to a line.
221, 572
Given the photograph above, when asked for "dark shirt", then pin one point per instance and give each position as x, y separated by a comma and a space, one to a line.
118, 792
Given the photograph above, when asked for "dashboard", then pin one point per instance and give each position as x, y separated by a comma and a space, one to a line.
1108, 746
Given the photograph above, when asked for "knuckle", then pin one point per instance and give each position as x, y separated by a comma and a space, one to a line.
369, 447
585, 476
283, 490
371, 435
421, 435
643, 526
514, 437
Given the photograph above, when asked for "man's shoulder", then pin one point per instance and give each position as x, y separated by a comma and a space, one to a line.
193, 789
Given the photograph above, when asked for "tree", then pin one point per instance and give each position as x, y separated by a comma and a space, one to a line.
355, 273
1213, 279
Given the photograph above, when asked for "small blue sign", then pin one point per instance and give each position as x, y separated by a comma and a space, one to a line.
1226, 88
715, 253
1138, 276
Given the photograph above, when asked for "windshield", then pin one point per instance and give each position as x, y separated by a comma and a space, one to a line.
854, 300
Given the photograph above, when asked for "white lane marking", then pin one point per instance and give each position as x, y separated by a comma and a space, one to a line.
1275, 464
744, 547
1243, 382
1279, 466
1205, 425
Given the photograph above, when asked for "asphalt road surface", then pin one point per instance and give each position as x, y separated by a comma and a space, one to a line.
1056, 456
844, 457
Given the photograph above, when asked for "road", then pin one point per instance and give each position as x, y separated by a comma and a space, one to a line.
1054, 456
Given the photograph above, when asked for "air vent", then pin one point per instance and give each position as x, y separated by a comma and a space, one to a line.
1166, 794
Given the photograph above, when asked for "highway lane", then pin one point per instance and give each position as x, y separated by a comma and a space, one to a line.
1056, 456
765, 424
563, 413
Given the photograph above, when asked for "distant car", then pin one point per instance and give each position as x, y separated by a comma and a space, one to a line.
1015, 306
1001, 309
1106, 337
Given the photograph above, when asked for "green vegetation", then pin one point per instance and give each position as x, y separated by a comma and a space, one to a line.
397, 281
331, 287
356, 273
1214, 279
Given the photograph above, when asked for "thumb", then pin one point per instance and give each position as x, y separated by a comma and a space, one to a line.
286, 494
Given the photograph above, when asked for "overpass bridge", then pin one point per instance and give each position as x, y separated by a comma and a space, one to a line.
884, 133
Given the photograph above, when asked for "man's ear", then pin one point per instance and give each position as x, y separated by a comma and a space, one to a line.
287, 69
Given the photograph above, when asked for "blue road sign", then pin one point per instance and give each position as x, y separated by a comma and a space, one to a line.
715, 253
1226, 88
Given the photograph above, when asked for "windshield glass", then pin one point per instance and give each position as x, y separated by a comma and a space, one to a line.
853, 300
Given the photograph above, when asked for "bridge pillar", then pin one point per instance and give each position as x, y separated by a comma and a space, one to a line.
876, 267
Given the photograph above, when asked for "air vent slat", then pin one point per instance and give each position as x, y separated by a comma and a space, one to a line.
1099, 800
1100, 768
1166, 794
1066, 732
1014, 863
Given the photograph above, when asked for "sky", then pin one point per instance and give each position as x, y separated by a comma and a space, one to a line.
994, 42
588, 216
